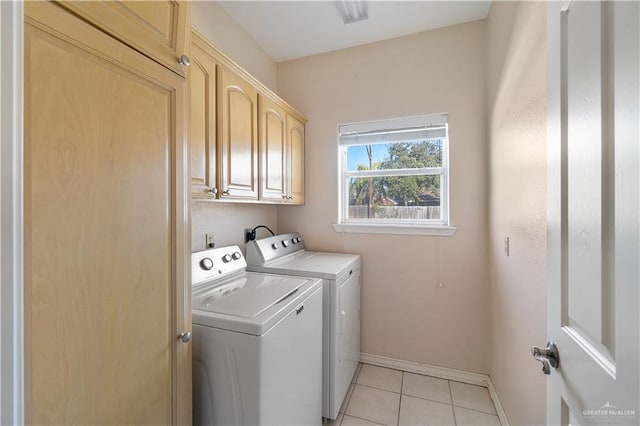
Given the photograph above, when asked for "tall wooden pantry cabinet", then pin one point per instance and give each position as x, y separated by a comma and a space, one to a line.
106, 226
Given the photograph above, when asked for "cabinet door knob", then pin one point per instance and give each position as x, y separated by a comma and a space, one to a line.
284, 197
213, 190
226, 192
185, 337
184, 60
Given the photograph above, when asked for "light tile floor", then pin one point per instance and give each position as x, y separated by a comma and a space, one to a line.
383, 396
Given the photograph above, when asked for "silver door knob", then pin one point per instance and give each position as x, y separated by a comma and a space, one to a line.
184, 60
226, 192
549, 356
185, 337
213, 190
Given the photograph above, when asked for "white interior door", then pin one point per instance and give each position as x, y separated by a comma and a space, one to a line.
593, 215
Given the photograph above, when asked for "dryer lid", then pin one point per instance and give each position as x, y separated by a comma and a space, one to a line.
311, 264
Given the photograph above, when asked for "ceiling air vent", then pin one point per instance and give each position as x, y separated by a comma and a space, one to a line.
352, 10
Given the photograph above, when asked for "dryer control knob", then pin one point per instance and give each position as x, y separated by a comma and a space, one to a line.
226, 258
274, 246
236, 255
285, 243
206, 263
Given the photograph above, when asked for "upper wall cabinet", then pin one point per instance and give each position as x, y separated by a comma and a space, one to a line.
202, 78
247, 144
295, 161
158, 29
239, 137
281, 154
273, 150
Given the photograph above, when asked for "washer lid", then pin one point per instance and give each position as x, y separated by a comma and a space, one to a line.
249, 302
246, 296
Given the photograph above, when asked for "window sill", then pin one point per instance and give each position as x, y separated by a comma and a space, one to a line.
398, 229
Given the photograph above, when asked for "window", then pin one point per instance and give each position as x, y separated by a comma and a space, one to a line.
394, 176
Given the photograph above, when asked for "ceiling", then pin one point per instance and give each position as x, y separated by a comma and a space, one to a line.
292, 29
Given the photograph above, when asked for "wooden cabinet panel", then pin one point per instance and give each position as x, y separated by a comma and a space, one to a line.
273, 150
158, 29
202, 119
106, 232
296, 158
239, 144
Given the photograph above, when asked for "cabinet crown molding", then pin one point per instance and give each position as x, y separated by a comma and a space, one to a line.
223, 59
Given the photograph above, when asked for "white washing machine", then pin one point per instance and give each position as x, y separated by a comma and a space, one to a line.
257, 344
340, 273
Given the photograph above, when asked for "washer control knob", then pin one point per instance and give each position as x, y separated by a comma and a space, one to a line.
285, 243
274, 246
236, 255
206, 263
226, 258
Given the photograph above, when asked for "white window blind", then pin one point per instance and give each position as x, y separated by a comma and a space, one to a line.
393, 130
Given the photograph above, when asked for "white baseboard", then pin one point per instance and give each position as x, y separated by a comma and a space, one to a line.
442, 373
496, 401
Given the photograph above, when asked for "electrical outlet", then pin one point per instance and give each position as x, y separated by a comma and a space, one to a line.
506, 246
249, 235
209, 240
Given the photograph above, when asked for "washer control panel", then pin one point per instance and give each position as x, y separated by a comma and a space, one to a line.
266, 249
215, 263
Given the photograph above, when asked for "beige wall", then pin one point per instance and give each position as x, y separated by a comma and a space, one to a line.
516, 106
227, 220
404, 313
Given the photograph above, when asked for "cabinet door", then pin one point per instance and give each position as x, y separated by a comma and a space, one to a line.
202, 126
239, 144
158, 29
295, 156
273, 150
105, 229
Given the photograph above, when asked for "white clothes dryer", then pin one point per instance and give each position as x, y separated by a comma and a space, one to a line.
340, 273
257, 344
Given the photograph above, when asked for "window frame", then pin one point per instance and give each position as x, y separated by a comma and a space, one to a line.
364, 134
